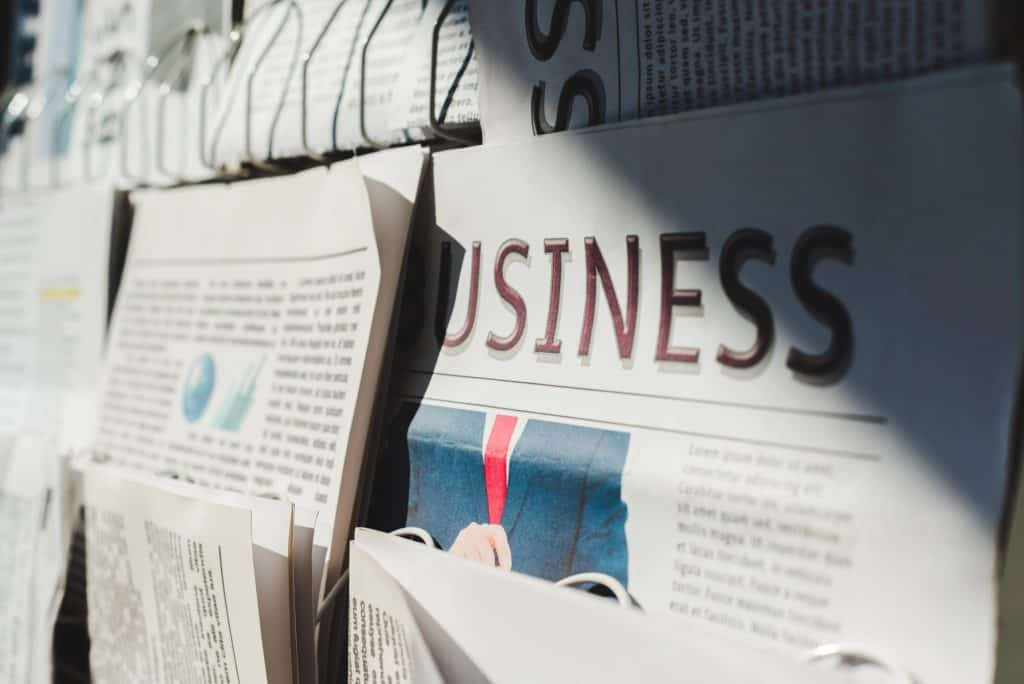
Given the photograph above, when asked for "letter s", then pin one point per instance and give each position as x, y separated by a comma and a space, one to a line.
817, 243
543, 45
748, 243
584, 83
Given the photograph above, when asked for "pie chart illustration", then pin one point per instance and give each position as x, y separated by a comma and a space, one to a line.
199, 383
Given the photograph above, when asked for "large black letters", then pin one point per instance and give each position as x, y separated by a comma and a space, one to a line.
585, 83
748, 243
821, 242
543, 45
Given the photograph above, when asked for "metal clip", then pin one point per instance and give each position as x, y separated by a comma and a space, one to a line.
164, 90
599, 578
74, 94
856, 656
223, 62
463, 134
116, 60
339, 101
71, 97
153, 63
235, 39
307, 57
362, 79
292, 6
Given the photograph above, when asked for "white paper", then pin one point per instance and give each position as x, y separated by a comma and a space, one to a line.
484, 625
53, 274
71, 323
616, 60
784, 510
384, 641
54, 249
241, 336
21, 218
32, 559
171, 585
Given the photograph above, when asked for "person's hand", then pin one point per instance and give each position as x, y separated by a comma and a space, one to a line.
481, 543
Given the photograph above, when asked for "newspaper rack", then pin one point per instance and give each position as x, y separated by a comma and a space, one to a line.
87, 94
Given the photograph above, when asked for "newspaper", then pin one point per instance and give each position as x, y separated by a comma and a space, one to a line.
53, 274
20, 228
548, 65
247, 341
239, 335
54, 249
172, 585
416, 616
712, 358
33, 557
71, 320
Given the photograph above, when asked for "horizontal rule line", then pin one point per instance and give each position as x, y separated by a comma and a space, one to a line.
832, 415
858, 455
224, 262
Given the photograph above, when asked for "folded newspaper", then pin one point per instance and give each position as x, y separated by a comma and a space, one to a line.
548, 65
186, 584
757, 364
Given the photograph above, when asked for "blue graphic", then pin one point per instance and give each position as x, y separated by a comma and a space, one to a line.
235, 406
199, 384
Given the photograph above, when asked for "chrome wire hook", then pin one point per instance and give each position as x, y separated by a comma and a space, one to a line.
183, 44
307, 57
293, 6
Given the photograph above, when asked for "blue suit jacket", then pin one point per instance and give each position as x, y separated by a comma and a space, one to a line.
563, 511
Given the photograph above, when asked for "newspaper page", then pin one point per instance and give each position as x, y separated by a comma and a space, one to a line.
20, 234
71, 313
28, 590
406, 598
272, 546
548, 65
54, 249
242, 351
711, 357
171, 585
384, 641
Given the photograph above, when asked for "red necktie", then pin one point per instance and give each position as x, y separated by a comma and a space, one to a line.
495, 458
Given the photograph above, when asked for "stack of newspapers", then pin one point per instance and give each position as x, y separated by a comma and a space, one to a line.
423, 341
